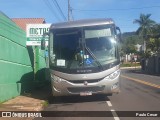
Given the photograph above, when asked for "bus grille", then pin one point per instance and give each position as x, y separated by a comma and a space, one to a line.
82, 81
86, 89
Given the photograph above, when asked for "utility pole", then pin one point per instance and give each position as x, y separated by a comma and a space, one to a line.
69, 10
144, 46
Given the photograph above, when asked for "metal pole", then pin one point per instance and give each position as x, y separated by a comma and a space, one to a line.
68, 10
34, 70
135, 64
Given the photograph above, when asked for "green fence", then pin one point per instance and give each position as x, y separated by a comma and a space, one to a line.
20, 66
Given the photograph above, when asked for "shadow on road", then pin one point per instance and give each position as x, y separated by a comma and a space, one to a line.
45, 93
42, 91
77, 99
139, 71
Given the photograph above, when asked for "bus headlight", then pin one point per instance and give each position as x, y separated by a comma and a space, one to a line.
113, 75
56, 79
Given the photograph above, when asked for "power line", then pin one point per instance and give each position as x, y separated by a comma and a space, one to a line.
51, 9
59, 9
122, 9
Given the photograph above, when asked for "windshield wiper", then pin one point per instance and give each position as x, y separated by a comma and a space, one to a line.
94, 57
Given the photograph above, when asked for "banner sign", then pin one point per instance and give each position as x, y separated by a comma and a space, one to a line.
28, 114
35, 34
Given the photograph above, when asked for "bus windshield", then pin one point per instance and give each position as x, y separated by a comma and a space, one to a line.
86, 47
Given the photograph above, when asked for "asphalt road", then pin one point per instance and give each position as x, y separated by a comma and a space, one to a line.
139, 92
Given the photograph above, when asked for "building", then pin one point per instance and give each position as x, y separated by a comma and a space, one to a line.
139, 47
22, 22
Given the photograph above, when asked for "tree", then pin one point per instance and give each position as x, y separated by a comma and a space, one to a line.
154, 41
145, 27
130, 39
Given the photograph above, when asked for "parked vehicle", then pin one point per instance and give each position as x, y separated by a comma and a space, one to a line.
84, 57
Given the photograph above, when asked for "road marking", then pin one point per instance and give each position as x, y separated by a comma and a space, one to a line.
109, 103
115, 115
141, 81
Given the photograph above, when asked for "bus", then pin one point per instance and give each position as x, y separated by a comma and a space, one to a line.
84, 57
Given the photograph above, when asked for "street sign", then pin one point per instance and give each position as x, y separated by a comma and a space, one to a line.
35, 34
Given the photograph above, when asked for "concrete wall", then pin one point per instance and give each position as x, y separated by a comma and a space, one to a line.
21, 68
40, 64
152, 65
15, 66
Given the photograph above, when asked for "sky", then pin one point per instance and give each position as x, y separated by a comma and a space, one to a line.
123, 12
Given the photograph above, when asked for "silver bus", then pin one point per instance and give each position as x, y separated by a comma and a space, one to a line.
84, 58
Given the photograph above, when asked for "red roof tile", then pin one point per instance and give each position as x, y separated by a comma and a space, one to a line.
21, 22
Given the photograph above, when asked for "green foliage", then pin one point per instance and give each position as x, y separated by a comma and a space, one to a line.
145, 24
130, 64
151, 44
147, 54
133, 39
150, 32
130, 39
45, 103
154, 40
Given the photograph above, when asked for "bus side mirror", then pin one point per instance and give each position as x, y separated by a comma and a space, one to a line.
119, 34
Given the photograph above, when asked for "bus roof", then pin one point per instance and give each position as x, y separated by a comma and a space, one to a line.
82, 23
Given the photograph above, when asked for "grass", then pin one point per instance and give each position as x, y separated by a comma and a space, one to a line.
129, 64
45, 103
1, 102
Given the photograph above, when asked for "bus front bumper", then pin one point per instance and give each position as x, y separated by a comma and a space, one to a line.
63, 87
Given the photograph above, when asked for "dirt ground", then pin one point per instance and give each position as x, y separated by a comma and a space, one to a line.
34, 101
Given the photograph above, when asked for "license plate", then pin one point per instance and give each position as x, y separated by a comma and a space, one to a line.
85, 93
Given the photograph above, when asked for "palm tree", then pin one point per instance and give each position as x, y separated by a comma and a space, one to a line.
145, 26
